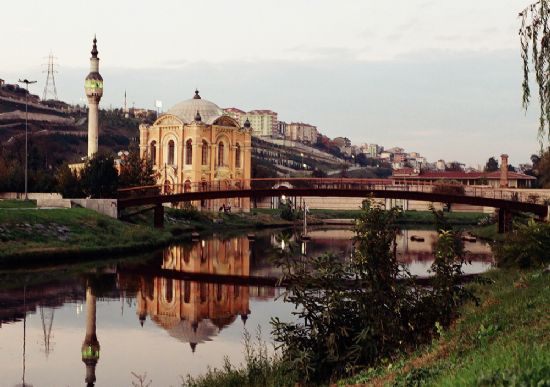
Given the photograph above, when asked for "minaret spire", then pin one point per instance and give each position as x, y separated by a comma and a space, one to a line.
94, 48
94, 91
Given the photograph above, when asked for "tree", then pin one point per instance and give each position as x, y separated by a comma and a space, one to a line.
68, 183
543, 170
99, 177
454, 166
535, 47
135, 171
491, 165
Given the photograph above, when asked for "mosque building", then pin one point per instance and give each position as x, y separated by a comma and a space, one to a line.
195, 145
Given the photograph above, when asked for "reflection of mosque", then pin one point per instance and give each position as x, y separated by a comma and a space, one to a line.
192, 311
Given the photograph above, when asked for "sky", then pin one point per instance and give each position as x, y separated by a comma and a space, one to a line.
438, 77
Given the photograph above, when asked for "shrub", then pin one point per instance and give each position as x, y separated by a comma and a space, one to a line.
354, 313
527, 246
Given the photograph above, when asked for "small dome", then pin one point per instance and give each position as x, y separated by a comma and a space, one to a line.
247, 124
186, 110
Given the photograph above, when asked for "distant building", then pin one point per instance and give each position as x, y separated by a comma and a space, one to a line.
1, 82
373, 150
299, 131
264, 123
493, 179
440, 165
282, 128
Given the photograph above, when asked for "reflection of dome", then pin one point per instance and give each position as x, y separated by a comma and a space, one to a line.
184, 331
186, 110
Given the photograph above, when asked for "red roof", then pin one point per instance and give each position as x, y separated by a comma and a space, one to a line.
407, 173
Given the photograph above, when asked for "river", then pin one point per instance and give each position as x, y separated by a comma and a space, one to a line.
171, 313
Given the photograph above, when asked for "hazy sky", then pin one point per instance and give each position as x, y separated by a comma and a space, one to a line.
439, 77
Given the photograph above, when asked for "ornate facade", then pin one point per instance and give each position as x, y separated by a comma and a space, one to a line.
195, 144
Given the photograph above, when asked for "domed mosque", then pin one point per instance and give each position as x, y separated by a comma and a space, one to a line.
195, 145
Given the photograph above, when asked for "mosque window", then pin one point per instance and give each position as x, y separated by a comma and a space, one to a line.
204, 152
189, 152
168, 290
238, 156
171, 152
221, 154
153, 152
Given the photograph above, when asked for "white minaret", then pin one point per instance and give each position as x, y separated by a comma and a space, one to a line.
94, 91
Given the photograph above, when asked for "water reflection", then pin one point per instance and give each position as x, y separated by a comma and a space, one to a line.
90, 346
199, 294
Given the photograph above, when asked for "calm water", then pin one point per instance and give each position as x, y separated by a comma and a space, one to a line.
177, 312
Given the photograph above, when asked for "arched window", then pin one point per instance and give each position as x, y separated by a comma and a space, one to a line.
189, 152
168, 290
153, 152
204, 152
220, 154
171, 152
238, 156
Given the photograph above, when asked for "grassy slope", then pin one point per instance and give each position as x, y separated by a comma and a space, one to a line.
27, 232
506, 338
17, 204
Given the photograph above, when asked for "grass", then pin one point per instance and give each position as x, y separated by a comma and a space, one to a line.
504, 341
56, 234
17, 204
488, 232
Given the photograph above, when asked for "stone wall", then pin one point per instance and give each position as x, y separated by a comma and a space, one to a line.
107, 207
338, 203
31, 195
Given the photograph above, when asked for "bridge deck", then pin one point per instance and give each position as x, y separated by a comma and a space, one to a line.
375, 188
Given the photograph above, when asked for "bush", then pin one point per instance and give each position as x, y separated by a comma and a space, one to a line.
527, 246
354, 313
187, 212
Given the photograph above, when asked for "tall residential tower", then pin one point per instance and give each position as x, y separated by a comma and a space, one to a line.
94, 91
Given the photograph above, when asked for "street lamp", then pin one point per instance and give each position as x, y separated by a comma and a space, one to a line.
26, 82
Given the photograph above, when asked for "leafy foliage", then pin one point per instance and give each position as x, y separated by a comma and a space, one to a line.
135, 171
260, 369
527, 246
355, 313
535, 47
68, 183
491, 165
99, 178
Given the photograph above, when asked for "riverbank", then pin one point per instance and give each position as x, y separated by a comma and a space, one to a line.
504, 341
42, 236
35, 236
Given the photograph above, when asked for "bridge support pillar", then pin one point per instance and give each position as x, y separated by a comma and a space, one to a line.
504, 220
158, 216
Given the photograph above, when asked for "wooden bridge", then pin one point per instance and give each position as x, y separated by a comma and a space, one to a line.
507, 202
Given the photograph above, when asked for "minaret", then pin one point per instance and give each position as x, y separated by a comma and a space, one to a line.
94, 91
90, 346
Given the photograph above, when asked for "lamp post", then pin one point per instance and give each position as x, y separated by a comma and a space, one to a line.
26, 82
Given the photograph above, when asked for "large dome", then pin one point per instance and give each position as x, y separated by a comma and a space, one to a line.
186, 110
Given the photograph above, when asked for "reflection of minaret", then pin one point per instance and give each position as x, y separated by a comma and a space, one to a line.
47, 322
90, 346
94, 91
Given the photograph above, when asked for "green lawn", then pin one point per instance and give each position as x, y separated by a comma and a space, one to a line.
504, 341
37, 234
17, 204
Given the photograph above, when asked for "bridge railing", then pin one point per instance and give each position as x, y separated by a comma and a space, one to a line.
329, 183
